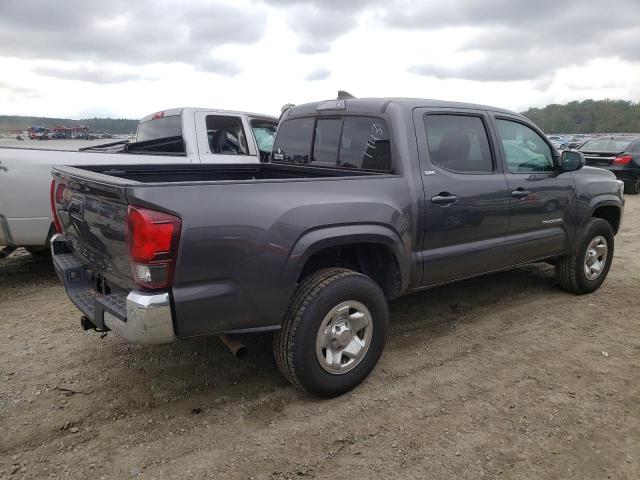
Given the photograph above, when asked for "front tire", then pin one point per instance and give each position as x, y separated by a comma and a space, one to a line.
333, 333
584, 271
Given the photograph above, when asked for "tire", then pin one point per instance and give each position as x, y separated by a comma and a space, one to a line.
298, 345
571, 270
633, 187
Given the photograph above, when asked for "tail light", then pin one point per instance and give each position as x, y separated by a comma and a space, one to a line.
623, 160
56, 199
153, 245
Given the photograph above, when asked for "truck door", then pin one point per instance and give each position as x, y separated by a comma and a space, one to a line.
466, 195
222, 137
542, 198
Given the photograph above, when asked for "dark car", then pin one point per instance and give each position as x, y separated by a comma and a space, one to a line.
618, 154
362, 201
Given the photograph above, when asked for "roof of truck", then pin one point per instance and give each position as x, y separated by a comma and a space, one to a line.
379, 105
188, 110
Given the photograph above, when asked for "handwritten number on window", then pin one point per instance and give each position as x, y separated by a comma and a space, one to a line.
370, 144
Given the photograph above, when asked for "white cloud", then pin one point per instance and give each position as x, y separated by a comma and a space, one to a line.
130, 59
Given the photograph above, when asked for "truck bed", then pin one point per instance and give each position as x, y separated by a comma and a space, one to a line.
181, 174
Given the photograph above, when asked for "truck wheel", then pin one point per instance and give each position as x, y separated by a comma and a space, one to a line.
633, 187
585, 271
333, 333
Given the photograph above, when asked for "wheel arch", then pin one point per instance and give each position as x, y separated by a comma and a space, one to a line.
609, 211
369, 242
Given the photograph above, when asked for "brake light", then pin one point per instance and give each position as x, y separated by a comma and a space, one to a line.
60, 193
623, 159
54, 202
158, 115
153, 245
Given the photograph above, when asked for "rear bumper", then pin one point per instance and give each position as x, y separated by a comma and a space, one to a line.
137, 317
622, 172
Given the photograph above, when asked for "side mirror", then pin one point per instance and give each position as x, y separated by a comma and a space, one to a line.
571, 160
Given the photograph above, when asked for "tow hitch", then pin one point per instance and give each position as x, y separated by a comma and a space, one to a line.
87, 324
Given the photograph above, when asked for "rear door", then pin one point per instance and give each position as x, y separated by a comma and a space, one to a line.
224, 137
465, 192
542, 198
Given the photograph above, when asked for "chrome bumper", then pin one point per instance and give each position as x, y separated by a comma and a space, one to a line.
148, 319
137, 317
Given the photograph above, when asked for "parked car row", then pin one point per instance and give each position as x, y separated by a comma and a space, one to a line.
356, 202
563, 142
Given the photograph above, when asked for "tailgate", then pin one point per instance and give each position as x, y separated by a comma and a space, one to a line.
599, 158
93, 214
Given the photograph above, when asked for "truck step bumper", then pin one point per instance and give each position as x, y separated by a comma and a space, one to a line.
137, 317
148, 319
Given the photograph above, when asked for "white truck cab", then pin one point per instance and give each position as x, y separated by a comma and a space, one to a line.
174, 136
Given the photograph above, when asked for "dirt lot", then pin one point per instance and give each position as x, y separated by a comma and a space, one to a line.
504, 375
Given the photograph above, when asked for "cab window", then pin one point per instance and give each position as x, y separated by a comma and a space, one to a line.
226, 135
458, 143
524, 149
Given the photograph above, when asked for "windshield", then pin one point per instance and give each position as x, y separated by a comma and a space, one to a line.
607, 144
160, 128
265, 134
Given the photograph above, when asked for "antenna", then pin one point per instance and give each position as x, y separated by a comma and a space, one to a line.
343, 94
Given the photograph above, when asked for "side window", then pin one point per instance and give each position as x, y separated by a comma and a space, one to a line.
524, 149
293, 141
365, 144
226, 135
325, 143
458, 143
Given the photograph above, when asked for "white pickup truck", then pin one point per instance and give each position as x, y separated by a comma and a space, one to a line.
176, 136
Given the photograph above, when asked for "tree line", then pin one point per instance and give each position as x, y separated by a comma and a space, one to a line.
107, 125
588, 116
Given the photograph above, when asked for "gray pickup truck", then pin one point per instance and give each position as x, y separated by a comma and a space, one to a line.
362, 201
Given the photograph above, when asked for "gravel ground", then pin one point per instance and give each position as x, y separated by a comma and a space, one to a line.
504, 375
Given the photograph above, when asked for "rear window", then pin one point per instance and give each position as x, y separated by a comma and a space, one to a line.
345, 142
326, 141
606, 144
293, 141
365, 144
160, 128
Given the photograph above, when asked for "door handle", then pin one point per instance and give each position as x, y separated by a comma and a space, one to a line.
444, 198
520, 193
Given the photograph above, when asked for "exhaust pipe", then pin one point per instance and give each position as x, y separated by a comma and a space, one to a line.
235, 346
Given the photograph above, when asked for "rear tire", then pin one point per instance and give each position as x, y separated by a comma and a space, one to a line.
633, 187
333, 332
584, 271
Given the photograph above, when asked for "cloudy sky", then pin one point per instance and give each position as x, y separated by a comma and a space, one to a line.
80, 58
